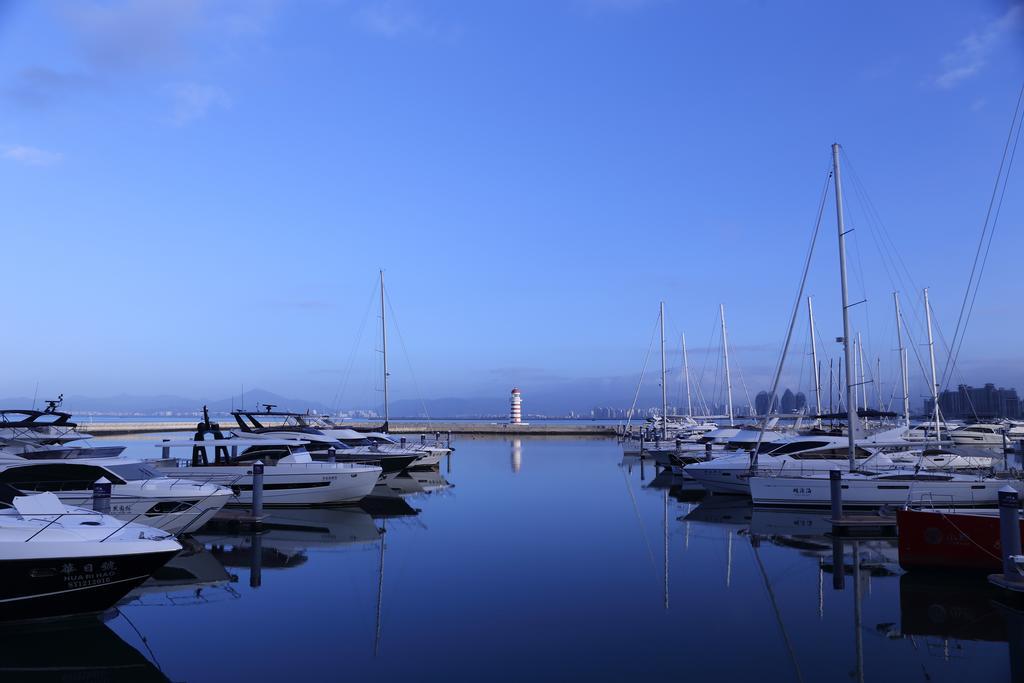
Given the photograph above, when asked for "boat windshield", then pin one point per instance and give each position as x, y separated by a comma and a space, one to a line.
134, 471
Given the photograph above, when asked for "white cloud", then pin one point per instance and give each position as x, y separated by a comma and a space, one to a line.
391, 19
973, 52
32, 156
193, 101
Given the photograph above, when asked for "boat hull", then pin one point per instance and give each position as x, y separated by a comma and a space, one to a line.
869, 493
942, 540
35, 588
291, 485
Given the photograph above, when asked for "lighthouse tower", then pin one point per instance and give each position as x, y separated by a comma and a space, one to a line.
516, 406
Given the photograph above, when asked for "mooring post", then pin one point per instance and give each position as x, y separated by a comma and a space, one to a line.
449, 444
256, 562
838, 568
835, 483
1009, 532
707, 450
641, 445
101, 495
401, 441
165, 452
423, 439
257, 489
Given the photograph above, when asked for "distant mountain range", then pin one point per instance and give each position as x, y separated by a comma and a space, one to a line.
549, 401
127, 404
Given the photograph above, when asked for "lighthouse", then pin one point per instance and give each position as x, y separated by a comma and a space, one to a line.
516, 407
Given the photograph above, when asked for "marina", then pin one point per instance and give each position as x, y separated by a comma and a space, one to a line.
556, 549
586, 340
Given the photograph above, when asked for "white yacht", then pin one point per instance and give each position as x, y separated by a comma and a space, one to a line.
897, 487
984, 434
271, 424
427, 455
291, 476
820, 453
57, 560
48, 434
138, 492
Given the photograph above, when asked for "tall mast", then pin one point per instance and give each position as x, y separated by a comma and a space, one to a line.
903, 361
863, 383
851, 409
725, 351
814, 359
856, 371
931, 354
384, 345
878, 381
686, 373
664, 393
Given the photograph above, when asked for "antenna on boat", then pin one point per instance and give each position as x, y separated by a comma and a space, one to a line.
384, 349
851, 407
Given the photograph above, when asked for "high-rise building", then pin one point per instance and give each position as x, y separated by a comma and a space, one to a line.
984, 403
788, 402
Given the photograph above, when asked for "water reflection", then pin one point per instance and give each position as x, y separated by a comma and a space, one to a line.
286, 536
194, 576
517, 455
76, 649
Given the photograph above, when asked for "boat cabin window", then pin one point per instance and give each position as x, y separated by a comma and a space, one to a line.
980, 430
796, 446
62, 477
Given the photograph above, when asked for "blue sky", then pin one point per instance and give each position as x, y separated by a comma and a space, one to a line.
198, 194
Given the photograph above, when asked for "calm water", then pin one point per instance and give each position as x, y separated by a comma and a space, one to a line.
544, 559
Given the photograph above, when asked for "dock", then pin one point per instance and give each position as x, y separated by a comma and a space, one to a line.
482, 428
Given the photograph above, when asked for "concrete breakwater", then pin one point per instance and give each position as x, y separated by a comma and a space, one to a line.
100, 428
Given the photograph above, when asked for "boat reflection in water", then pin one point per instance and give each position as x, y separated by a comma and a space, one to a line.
194, 576
74, 649
683, 489
947, 608
286, 536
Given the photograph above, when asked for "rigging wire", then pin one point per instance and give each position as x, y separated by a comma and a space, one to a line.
343, 383
408, 361
988, 230
643, 371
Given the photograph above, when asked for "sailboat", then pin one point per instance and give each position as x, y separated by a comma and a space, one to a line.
900, 486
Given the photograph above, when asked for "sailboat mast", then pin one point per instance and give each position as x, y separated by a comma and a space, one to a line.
903, 361
384, 347
863, 382
664, 392
931, 355
878, 381
851, 409
686, 373
814, 358
725, 351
